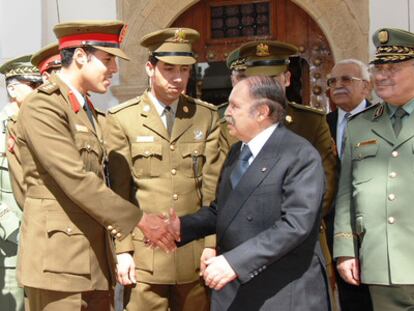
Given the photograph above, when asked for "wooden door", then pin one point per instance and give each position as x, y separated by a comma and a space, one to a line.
225, 25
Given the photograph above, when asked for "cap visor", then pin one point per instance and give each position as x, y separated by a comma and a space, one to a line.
113, 51
177, 60
265, 70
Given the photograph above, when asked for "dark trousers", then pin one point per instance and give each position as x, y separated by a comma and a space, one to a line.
353, 298
392, 297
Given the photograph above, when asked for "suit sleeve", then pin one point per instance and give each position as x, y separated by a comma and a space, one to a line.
345, 241
303, 188
120, 168
43, 125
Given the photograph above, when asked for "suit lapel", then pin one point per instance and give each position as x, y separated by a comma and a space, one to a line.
183, 118
257, 171
152, 119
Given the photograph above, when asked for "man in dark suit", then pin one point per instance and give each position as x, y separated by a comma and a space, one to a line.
267, 212
349, 85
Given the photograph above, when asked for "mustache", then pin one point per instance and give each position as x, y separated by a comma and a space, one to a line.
384, 83
340, 91
229, 119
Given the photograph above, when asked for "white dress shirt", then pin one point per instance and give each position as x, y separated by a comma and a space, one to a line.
257, 143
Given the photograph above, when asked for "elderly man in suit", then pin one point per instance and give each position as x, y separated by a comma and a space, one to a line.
374, 216
267, 212
349, 86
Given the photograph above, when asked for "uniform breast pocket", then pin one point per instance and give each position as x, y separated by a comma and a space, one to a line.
364, 162
64, 234
193, 159
146, 159
90, 151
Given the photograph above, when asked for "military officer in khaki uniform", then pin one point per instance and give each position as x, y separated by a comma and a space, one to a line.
374, 217
47, 60
70, 215
271, 58
164, 152
21, 77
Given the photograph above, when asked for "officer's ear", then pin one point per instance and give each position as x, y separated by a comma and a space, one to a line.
80, 57
287, 75
149, 68
11, 90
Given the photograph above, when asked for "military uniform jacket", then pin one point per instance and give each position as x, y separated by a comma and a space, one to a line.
10, 212
69, 212
162, 172
374, 217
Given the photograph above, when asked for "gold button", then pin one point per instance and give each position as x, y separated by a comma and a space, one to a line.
147, 152
172, 147
69, 230
391, 197
175, 196
391, 220
173, 171
395, 154
393, 175
88, 147
109, 227
118, 235
113, 232
195, 151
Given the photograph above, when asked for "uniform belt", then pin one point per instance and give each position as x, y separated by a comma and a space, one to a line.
40, 192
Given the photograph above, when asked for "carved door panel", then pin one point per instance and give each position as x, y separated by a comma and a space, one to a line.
225, 25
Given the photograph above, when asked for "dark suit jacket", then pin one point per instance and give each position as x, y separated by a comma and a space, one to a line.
267, 228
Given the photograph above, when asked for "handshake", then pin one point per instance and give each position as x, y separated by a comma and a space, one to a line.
161, 230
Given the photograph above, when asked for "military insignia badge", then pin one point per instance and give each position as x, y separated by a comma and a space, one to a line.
262, 50
198, 134
379, 111
383, 36
179, 35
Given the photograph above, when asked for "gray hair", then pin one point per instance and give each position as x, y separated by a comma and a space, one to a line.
361, 65
267, 91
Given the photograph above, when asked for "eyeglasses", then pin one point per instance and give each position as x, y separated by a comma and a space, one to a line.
345, 80
386, 69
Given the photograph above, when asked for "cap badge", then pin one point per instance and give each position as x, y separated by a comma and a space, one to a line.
262, 50
383, 36
123, 33
198, 134
179, 36
289, 119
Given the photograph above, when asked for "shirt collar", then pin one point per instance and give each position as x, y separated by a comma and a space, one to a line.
408, 107
257, 143
78, 95
159, 106
357, 109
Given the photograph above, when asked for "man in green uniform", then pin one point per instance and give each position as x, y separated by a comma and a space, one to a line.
374, 217
21, 78
66, 258
164, 152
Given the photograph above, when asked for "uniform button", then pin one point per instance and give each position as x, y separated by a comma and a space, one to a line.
88, 147
173, 171
395, 154
175, 196
249, 218
391, 220
172, 147
113, 232
251, 275
391, 197
393, 175
147, 153
118, 235
109, 227
195, 151
69, 230
256, 273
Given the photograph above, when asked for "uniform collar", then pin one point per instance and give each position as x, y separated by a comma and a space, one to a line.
78, 95
160, 106
408, 107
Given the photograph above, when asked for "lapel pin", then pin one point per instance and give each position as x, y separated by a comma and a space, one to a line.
264, 169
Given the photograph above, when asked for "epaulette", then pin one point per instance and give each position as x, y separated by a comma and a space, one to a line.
13, 118
48, 88
380, 109
100, 112
200, 102
130, 102
306, 108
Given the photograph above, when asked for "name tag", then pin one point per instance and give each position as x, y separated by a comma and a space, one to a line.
145, 139
81, 128
367, 142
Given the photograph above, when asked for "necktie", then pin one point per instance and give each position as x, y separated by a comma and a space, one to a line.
241, 166
343, 138
398, 115
88, 111
169, 118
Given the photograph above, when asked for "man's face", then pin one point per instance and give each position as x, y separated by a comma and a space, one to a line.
241, 120
347, 88
168, 81
97, 71
394, 83
19, 90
